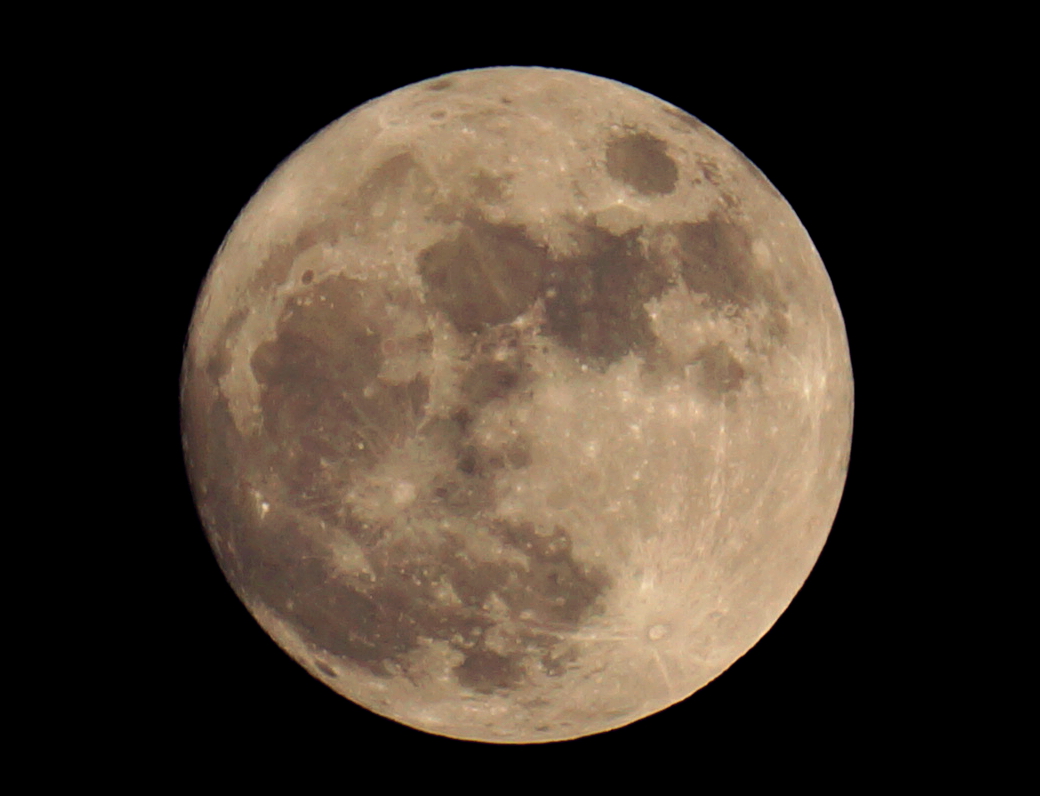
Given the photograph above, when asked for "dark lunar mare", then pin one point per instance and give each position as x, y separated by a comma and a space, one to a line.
328, 419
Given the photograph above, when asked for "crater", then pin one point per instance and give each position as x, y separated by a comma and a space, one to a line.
710, 170
657, 632
641, 161
325, 669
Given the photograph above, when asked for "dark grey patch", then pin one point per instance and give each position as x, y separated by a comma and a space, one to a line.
326, 670
556, 663
320, 393
496, 370
506, 101
374, 623
597, 308
554, 588
441, 84
484, 671
468, 460
777, 327
389, 183
497, 367
295, 577
843, 465
320, 396
276, 267
234, 323
219, 363
438, 115
488, 187
386, 177
761, 178
720, 372
518, 453
214, 447
641, 161
447, 432
485, 275
463, 494
474, 581
554, 585
716, 260
687, 119
308, 277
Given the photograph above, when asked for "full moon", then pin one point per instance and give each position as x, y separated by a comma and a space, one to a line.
517, 405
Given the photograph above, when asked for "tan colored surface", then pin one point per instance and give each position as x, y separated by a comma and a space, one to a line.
517, 405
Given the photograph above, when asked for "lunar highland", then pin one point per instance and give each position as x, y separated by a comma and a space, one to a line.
517, 405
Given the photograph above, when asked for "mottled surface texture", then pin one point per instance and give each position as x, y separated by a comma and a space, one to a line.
517, 405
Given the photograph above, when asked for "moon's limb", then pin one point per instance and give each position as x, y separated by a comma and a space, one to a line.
517, 405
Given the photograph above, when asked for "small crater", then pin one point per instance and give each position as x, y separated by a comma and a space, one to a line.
641, 161
518, 454
468, 460
326, 670
710, 170
438, 114
441, 84
308, 277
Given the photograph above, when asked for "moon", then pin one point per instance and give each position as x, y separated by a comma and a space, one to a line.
517, 405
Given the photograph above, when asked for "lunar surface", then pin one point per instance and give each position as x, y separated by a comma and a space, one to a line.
517, 405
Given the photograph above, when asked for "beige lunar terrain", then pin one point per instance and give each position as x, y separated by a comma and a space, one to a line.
517, 405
